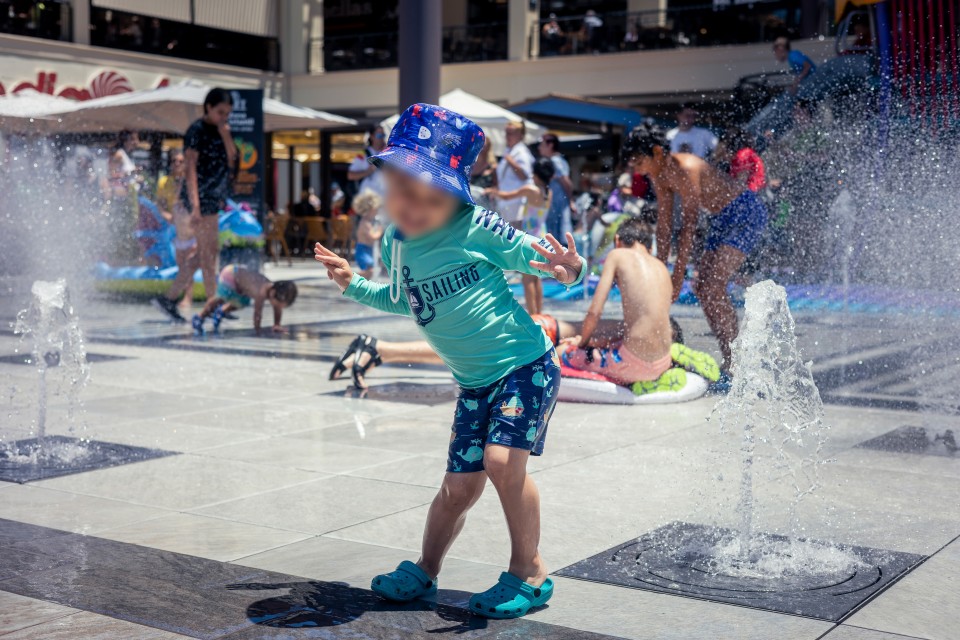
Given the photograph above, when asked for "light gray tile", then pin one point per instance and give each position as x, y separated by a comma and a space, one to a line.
201, 536
923, 604
309, 454
165, 434
424, 471
69, 511
181, 482
324, 505
152, 404
403, 433
19, 612
847, 632
333, 560
266, 418
90, 626
643, 615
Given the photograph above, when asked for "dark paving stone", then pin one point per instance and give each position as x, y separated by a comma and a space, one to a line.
313, 608
27, 358
32, 459
918, 440
650, 563
207, 599
405, 392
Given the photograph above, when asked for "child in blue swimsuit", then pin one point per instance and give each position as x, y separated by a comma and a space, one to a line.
446, 258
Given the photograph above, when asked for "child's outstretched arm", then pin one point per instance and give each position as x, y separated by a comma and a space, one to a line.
492, 239
357, 287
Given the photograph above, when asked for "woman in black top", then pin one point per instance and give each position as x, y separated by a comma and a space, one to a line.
211, 156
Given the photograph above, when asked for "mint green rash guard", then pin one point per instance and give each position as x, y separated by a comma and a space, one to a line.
451, 281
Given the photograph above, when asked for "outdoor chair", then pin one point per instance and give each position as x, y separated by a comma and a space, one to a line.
276, 236
314, 230
341, 228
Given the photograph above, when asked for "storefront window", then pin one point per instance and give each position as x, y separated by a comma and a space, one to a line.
145, 34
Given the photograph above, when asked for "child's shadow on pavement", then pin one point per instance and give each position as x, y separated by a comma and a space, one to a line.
307, 605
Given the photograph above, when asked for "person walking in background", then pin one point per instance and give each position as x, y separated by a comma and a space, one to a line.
211, 157
537, 198
363, 175
369, 231
123, 183
561, 188
169, 188
514, 171
687, 137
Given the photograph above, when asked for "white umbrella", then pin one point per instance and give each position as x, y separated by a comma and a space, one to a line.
491, 117
174, 108
33, 112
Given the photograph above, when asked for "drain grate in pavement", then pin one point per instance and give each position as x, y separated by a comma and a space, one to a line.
672, 560
920, 440
32, 459
405, 392
27, 358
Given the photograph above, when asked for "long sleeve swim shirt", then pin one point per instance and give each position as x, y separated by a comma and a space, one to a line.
451, 282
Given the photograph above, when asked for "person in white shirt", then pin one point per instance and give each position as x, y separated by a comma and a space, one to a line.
514, 171
360, 170
686, 137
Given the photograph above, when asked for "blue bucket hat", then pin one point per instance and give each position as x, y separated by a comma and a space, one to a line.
436, 145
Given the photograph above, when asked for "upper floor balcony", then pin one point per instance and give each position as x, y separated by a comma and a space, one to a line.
590, 34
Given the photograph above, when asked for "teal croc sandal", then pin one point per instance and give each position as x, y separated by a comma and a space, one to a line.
407, 583
510, 598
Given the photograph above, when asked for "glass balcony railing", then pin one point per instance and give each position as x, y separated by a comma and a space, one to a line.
464, 43
145, 34
49, 19
699, 26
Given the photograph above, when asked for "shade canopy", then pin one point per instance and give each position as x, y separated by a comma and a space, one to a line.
576, 112
33, 112
491, 117
172, 109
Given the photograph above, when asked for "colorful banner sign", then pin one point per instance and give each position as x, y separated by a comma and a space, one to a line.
246, 125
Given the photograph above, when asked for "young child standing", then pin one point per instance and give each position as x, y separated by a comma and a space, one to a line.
446, 258
369, 231
237, 288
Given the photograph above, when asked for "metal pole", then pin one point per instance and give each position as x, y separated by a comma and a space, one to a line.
419, 51
326, 174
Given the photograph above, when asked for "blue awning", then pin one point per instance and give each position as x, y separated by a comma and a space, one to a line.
577, 109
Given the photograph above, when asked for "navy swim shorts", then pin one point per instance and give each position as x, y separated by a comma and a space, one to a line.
513, 412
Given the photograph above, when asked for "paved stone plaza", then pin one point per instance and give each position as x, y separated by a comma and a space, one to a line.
282, 497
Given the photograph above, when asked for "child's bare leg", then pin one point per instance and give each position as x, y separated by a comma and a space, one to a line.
211, 306
208, 247
716, 269
446, 517
507, 469
366, 273
188, 262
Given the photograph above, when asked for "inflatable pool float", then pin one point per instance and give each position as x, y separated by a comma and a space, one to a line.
583, 386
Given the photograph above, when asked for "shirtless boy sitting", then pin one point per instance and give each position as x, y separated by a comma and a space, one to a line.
237, 288
737, 221
640, 348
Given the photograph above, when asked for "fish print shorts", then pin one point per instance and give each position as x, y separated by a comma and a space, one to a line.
512, 412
